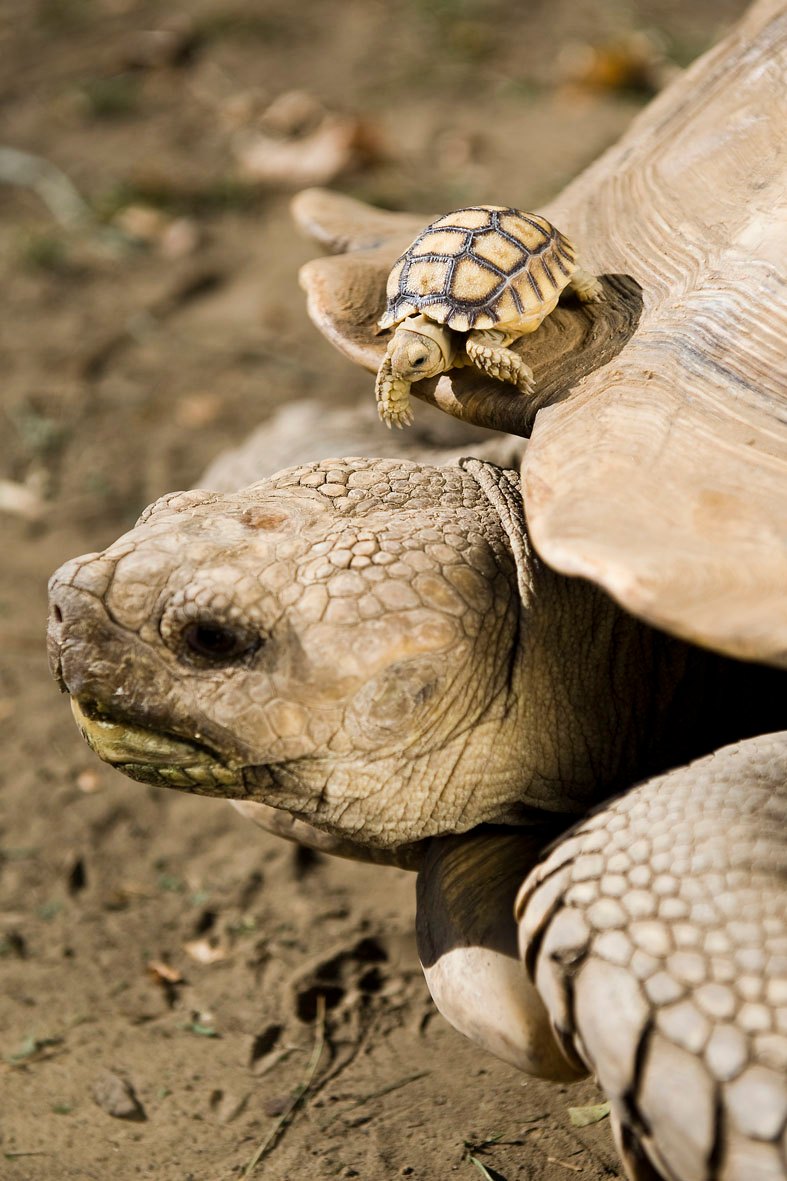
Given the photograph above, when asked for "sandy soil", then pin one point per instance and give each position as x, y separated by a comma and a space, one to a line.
159, 945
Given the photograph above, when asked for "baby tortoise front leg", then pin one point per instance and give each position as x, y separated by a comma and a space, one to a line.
488, 350
393, 393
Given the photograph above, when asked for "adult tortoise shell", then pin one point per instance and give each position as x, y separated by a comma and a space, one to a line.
488, 272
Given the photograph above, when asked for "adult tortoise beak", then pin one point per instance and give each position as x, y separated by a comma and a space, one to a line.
87, 651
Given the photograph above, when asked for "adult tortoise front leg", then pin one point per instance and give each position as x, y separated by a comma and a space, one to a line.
656, 935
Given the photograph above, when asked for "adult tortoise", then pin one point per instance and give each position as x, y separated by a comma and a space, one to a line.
377, 653
372, 649
470, 284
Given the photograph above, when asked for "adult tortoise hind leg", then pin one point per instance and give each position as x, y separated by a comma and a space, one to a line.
655, 933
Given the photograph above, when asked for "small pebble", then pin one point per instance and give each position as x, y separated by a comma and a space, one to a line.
277, 1105
117, 1097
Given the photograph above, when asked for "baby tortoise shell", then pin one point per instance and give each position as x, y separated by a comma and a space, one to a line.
479, 267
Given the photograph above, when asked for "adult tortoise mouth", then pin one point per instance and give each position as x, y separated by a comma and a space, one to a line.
153, 756
166, 760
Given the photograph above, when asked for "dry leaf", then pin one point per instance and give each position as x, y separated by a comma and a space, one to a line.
180, 238
591, 1113
163, 973
206, 951
295, 112
197, 410
19, 500
142, 222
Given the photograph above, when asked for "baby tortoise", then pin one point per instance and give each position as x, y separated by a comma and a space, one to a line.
472, 283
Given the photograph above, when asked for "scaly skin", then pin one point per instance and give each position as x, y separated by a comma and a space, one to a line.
668, 908
586, 287
399, 644
418, 349
489, 352
393, 395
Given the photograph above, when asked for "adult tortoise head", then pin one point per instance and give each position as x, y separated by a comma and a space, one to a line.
369, 645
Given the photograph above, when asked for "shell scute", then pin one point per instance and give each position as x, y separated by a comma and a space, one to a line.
460, 321
440, 242
429, 277
507, 307
534, 233
551, 278
472, 282
499, 250
394, 279
474, 217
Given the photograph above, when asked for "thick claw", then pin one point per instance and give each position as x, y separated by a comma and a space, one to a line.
399, 418
525, 383
393, 395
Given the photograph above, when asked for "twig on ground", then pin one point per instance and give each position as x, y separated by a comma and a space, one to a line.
483, 1170
55, 189
565, 1164
298, 1095
471, 1147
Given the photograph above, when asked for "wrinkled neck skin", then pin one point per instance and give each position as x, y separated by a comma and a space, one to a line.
394, 661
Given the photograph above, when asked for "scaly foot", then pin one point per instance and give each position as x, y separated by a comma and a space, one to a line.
489, 352
393, 396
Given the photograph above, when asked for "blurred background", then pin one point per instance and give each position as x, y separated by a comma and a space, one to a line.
151, 318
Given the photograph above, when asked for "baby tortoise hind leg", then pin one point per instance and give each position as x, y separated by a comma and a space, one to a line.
586, 287
488, 350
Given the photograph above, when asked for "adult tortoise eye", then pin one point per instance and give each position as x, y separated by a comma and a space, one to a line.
217, 643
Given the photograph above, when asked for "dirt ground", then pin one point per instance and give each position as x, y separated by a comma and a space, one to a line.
157, 942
